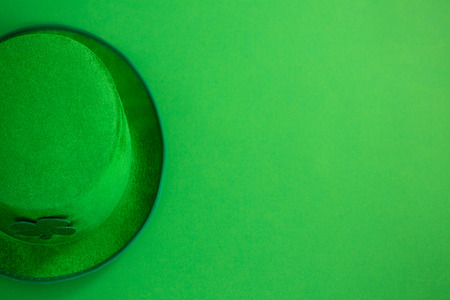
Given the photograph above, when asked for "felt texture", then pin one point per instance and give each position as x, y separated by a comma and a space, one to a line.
65, 144
54, 262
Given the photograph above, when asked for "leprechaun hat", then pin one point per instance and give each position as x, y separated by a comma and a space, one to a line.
81, 154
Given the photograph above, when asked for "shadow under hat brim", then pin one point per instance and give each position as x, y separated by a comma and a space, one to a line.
44, 263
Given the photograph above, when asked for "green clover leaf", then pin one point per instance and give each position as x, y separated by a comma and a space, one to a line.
44, 228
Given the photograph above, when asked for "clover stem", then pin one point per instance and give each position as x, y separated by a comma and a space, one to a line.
46, 236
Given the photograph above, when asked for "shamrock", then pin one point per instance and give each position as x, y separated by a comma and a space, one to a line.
45, 228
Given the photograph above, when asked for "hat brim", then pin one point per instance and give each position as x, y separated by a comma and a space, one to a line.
45, 263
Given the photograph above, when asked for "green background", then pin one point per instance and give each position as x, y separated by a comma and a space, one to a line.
307, 148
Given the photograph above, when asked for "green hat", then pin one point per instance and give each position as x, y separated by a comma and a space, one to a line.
81, 154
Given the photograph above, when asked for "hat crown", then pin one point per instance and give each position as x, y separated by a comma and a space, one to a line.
65, 146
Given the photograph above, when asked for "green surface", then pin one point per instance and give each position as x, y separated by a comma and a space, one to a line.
307, 148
